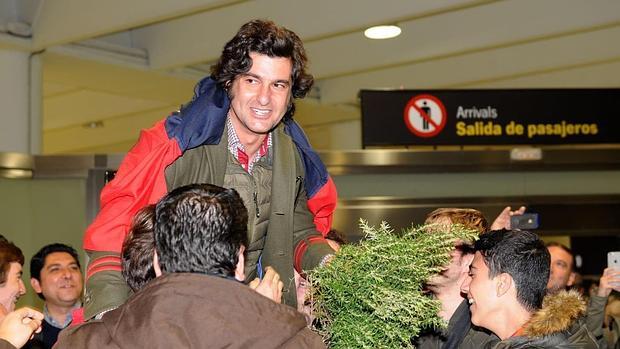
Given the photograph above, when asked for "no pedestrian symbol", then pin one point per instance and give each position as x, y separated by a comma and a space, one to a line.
425, 115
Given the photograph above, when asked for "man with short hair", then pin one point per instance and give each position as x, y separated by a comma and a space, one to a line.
138, 251
237, 132
200, 236
11, 284
446, 286
506, 287
56, 277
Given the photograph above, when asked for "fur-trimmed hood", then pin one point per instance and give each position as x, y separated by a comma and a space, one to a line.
558, 313
555, 325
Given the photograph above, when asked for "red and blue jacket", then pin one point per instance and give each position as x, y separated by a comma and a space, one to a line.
140, 179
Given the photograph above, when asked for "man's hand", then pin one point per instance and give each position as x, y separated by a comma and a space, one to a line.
503, 219
609, 281
270, 286
18, 326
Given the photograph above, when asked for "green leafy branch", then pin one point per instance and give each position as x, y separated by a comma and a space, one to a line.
371, 295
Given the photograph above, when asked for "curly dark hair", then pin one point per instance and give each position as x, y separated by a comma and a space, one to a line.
267, 38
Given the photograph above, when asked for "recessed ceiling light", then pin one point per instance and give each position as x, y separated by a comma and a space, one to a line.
382, 32
93, 124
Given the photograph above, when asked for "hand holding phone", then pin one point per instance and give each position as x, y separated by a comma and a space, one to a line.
526, 221
611, 275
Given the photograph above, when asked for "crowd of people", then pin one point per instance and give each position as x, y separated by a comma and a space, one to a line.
216, 214
56, 277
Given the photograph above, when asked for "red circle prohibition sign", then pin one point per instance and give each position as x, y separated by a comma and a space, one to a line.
437, 127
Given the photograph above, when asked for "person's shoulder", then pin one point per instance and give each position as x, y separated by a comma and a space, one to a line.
479, 338
91, 334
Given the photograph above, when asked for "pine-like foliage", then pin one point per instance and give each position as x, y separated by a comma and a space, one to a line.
371, 294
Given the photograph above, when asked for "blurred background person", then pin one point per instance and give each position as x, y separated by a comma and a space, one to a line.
55, 275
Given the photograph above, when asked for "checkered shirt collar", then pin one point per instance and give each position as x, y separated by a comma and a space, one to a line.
236, 148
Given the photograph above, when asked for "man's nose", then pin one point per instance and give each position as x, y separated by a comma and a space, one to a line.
465, 285
66, 273
264, 94
22, 288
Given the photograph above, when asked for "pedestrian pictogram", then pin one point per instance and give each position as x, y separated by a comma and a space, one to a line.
425, 115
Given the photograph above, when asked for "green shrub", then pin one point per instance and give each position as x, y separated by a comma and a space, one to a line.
371, 294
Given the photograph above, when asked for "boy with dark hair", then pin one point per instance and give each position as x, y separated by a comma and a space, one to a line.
506, 288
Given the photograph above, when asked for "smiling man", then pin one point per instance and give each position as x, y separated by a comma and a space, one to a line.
56, 277
237, 132
11, 284
506, 288
446, 286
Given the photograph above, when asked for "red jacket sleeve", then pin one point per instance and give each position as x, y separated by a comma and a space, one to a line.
139, 181
322, 206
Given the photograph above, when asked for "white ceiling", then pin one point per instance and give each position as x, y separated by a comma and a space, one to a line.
126, 64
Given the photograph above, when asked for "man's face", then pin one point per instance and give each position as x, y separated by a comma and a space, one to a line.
481, 292
13, 288
561, 275
453, 274
61, 279
260, 97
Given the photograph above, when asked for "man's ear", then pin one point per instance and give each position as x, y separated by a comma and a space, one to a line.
503, 284
571, 279
156, 266
36, 285
240, 269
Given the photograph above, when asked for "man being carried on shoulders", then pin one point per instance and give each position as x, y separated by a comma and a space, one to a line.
237, 132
